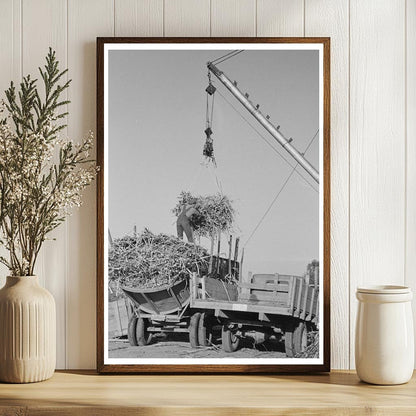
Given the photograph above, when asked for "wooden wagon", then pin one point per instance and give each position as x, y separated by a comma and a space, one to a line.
265, 306
166, 309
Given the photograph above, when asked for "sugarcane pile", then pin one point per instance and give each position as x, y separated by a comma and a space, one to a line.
148, 260
312, 350
214, 213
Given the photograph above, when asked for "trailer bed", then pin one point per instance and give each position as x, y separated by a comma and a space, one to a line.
253, 306
271, 294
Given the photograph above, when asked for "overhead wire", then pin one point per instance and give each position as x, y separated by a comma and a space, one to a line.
278, 193
227, 56
266, 141
217, 61
223, 56
212, 108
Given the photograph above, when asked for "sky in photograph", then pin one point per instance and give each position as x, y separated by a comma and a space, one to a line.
157, 109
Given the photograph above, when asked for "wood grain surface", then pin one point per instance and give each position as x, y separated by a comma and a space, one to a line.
233, 18
331, 18
410, 258
82, 393
85, 18
51, 266
377, 149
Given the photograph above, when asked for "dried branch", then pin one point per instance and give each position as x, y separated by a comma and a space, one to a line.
37, 191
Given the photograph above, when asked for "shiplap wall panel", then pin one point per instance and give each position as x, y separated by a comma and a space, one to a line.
280, 17
382, 105
187, 18
411, 149
10, 65
233, 18
87, 19
377, 146
44, 25
330, 18
6, 45
138, 18
10, 43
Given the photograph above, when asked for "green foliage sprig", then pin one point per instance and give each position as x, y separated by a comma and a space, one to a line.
41, 175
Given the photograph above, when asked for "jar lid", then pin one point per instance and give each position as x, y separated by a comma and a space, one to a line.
384, 289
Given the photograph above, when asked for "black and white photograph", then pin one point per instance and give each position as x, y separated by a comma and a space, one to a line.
213, 221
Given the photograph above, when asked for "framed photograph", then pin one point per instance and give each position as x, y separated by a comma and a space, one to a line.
213, 230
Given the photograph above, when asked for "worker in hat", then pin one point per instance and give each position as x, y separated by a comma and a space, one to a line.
183, 223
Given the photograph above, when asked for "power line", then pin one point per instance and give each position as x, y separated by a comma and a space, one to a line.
278, 193
223, 56
227, 56
267, 142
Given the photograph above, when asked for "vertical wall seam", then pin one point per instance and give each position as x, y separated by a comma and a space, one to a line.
255, 18
163, 19
304, 18
210, 18
405, 146
349, 186
114, 18
67, 230
21, 40
13, 60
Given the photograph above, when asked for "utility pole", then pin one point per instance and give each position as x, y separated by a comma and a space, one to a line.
256, 113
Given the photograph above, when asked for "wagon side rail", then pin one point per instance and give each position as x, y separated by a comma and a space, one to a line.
162, 301
289, 296
200, 299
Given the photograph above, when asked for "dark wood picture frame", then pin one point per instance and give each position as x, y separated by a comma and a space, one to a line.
216, 368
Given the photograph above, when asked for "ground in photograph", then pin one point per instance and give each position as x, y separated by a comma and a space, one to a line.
179, 347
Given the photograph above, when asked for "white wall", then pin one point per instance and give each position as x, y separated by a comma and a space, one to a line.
373, 129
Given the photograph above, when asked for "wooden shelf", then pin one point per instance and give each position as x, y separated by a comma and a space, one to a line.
86, 393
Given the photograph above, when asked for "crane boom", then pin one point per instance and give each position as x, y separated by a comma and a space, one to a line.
256, 113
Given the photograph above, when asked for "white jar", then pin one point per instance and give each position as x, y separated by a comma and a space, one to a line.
384, 338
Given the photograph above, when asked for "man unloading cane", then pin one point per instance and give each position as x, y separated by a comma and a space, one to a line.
183, 223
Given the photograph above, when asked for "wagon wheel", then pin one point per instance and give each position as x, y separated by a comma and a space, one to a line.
300, 338
205, 334
230, 341
193, 329
131, 330
289, 344
143, 336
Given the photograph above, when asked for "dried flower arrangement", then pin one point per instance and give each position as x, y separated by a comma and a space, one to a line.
41, 175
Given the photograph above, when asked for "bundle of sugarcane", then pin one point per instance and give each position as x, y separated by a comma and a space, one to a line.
147, 260
312, 350
214, 213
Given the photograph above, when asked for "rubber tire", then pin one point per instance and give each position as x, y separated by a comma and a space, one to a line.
300, 338
131, 330
204, 330
143, 336
290, 353
193, 329
230, 342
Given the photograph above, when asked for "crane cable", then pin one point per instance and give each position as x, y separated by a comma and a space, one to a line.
227, 56
209, 116
210, 112
266, 141
223, 59
279, 192
208, 150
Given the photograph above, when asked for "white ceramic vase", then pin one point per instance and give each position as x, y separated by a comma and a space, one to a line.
27, 331
384, 341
